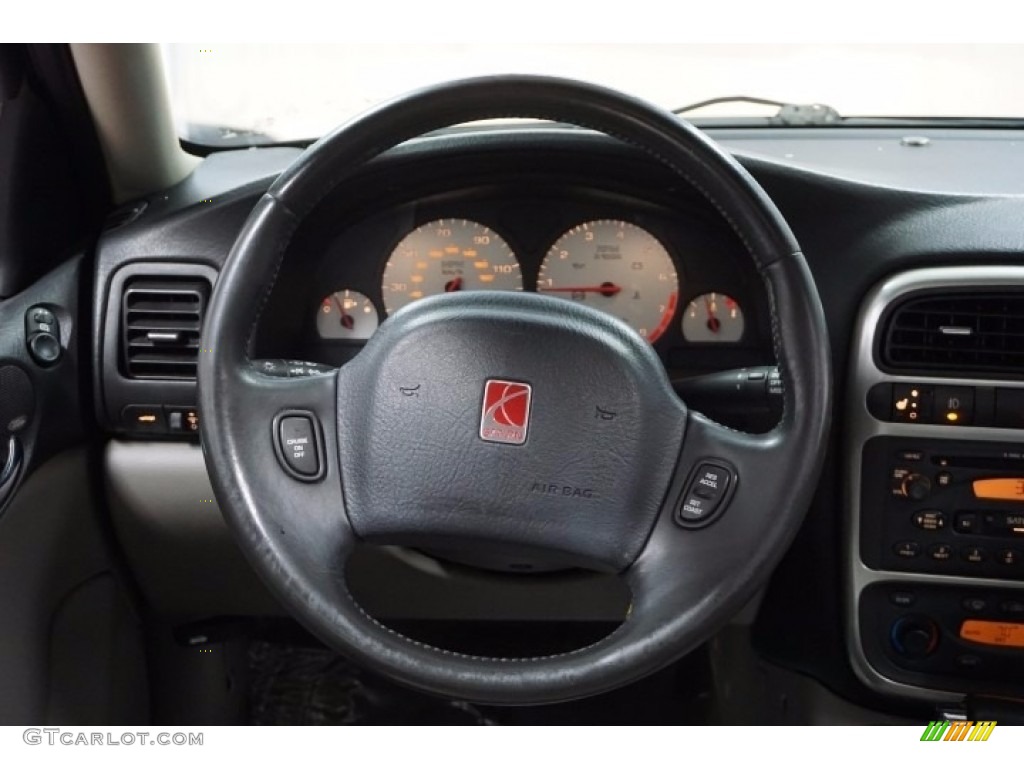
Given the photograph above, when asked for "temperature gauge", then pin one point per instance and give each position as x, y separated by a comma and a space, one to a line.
346, 315
713, 317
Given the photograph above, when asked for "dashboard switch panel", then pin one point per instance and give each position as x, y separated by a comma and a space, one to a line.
42, 336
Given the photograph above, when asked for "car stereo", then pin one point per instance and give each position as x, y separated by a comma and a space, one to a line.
934, 502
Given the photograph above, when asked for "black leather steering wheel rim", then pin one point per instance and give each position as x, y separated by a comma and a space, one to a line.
686, 583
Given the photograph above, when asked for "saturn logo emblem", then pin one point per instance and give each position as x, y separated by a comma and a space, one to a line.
505, 414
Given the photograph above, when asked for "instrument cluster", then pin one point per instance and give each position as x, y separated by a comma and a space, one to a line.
617, 266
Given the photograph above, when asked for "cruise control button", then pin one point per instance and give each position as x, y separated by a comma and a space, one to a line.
694, 508
297, 442
703, 497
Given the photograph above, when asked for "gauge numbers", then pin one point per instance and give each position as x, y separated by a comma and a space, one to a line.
616, 267
713, 317
445, 256
346, 315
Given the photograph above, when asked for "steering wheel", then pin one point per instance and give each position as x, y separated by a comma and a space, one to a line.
471, 419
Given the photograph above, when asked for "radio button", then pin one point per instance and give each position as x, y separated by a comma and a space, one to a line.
907, 549
916, 487
1012, 607
967, 661
930, 520
944, 479
902, 598
914, 636
1008, 557
975, 604
974, 554
940, 552
966, 522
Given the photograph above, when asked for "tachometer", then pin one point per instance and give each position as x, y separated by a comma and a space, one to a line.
617, 267
448, 255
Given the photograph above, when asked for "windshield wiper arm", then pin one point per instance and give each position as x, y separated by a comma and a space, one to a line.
788, 114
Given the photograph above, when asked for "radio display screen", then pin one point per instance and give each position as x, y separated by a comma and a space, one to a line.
1001, 633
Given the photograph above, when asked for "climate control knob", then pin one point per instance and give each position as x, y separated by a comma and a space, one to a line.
914, 637
916, 487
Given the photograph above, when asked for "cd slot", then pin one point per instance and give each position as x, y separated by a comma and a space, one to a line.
1014, 462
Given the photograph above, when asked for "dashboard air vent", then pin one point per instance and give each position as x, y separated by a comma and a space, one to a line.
980, 333
161, 320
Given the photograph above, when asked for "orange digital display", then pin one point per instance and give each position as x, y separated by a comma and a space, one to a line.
1001, 488
1001, 633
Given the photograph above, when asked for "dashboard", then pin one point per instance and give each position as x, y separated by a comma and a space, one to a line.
584, 218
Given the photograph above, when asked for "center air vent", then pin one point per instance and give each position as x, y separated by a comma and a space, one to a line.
978, 333
161, 320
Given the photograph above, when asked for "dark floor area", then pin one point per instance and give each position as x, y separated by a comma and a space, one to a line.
293, 680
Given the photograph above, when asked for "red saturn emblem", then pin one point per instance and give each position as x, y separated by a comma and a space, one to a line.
505, 415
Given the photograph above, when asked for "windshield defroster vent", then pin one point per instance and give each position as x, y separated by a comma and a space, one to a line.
979, 333
161, 321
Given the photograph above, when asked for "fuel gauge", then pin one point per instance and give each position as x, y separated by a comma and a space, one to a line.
346, 315
713, 317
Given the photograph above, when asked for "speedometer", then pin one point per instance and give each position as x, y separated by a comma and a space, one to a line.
617, 267
448, 255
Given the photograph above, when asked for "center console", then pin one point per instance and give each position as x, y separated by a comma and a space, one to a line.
935, 485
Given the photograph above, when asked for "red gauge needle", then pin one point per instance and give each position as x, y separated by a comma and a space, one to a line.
605, 289
453, 285
347, 321
713, 322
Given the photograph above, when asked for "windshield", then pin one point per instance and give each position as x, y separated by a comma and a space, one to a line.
243, 94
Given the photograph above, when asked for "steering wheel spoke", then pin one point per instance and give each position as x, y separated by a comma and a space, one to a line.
720, 526
279, 434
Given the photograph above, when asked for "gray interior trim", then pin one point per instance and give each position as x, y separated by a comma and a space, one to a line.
55, 576
862, 426
189, 568
128, 97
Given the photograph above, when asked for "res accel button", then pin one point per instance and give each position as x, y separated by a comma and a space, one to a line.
706, 493
297, 446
